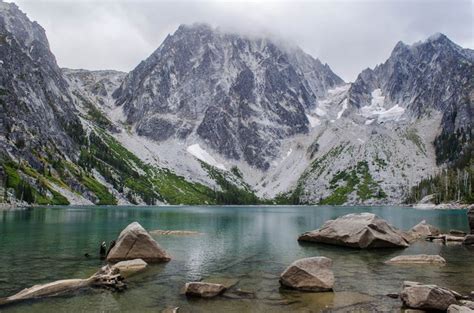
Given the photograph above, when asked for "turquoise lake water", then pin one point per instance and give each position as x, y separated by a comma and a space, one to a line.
251, 244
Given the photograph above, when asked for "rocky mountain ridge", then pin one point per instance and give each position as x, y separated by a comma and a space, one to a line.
213, 117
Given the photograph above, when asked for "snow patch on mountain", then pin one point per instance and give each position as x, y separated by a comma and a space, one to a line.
204, 156
377, 111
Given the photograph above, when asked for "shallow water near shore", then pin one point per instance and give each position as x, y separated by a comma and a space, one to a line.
252, 244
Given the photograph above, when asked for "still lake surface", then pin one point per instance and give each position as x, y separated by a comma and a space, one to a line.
252, 244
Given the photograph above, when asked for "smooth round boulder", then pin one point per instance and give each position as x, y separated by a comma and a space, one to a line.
309, 274
203, 290
364, 231
417, 259
134, 242
421, 230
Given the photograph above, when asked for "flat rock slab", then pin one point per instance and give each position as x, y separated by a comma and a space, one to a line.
364, 230
417, 259
427, 297
130, 267
134, 242
309, 274
227, 282
203, 290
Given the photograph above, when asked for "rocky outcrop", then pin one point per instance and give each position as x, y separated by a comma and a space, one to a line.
240, 95
417, 259
364, 231
309, 274
134, 242
427, 297
203, 290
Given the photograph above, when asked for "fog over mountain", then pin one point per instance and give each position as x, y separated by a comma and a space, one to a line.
214, 116
348, 35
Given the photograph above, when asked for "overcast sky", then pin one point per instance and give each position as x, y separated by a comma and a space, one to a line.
348, 35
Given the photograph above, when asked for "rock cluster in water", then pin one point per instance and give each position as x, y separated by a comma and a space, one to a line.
364, 230
134, 242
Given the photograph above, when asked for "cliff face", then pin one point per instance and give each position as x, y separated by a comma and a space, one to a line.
240, 96
214, 117
37, 111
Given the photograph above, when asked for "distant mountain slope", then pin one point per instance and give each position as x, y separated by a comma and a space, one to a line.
240, 96
55, 142
219, 118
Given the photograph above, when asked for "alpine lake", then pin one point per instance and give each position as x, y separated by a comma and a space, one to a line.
248, 246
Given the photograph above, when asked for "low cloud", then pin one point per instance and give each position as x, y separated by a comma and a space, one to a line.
348, 35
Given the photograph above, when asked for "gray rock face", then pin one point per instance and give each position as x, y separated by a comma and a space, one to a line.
240, 95
309, 274
415, 75
36, 109
436, 68
427, 297
364, 231
134, 242
203, 290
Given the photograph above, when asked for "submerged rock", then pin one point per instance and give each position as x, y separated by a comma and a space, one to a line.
364, 230
203, 290
417, 259
134, 242
309, 274
174, 232
427, 297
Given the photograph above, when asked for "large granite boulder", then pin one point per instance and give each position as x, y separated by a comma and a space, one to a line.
417, 259
203, 290
309, 274
427, 297
134, 242
364, 230
470, 217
